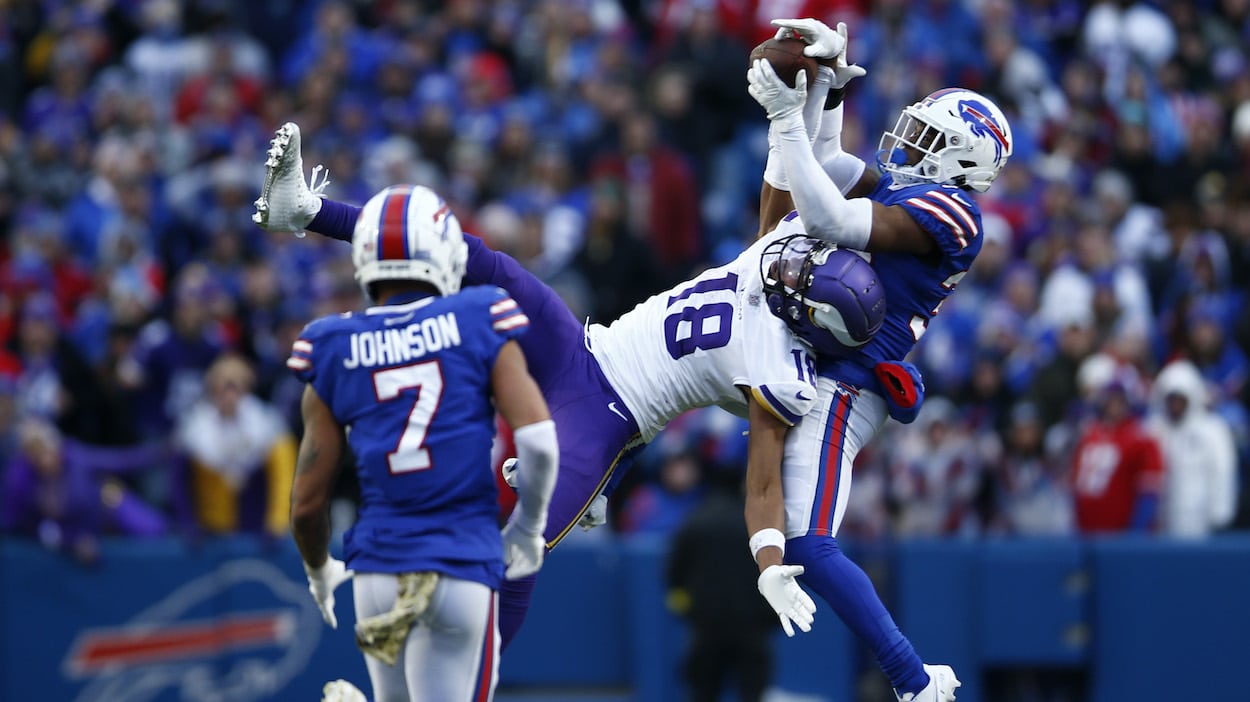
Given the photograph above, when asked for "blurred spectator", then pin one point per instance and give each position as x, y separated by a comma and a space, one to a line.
662, 206
619, 265
1030, 491
1199, 458
1117, 467
711, 583
241, 452
660, 508
65, 494
1096, 264
937, 478
55, 382
172, 356
1054, 388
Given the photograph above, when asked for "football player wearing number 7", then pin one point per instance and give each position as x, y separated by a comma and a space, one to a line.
716, 339
411, 386
918, 224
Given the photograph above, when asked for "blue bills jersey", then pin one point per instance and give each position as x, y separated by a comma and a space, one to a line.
915, 286
411, 384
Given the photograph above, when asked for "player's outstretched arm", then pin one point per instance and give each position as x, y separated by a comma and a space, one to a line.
315, 470
519, 400
827, 212
765, 517
822, 117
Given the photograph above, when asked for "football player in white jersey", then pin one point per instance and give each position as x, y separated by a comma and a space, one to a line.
919, 226
716, 339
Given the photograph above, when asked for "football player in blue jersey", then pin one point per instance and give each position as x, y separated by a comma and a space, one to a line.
410, 388
918, 224
716, 339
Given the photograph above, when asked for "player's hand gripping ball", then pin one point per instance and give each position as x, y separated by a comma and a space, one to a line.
787, 58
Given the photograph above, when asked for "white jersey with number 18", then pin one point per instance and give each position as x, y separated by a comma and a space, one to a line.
704, 342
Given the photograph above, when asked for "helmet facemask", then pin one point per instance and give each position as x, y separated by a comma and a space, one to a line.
913, 148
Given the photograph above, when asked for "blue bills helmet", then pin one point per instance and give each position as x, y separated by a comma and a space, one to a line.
408, 232
829, 297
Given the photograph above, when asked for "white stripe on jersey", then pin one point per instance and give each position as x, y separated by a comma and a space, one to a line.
302, 345
297, 363
502, 306
958, 208
515, 320
941, 214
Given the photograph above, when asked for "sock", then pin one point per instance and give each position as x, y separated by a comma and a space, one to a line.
336, 220
845, 586
514, 601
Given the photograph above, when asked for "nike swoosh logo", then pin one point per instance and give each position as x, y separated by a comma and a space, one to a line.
612, 408
802, 397
392, 321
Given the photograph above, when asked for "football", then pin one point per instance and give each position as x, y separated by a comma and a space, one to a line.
786, 56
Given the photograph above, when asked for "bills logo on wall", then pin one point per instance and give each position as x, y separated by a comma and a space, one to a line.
205, 641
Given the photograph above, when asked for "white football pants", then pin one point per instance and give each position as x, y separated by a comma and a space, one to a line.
452, 651
819, 452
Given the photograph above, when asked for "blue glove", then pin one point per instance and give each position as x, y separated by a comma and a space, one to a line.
902, 387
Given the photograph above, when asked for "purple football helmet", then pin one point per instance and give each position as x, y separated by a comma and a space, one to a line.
829, 297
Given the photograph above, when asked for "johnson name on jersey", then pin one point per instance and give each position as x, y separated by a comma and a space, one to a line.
411, 383
696, 344
915, 287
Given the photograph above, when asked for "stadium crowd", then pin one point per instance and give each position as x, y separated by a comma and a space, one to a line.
610, 145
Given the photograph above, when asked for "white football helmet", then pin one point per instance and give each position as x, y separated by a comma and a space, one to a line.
952, 136
408, 232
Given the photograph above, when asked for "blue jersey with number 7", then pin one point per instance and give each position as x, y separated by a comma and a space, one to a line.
411, 383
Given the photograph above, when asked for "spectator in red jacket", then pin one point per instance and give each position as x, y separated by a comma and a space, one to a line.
1117, 469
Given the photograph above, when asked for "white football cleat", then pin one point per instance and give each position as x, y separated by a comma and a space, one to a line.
342, 691
286, 202
941, 687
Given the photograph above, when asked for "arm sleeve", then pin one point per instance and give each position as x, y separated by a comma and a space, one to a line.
538, 462
825, 210
843, 169
814, 107
336, 220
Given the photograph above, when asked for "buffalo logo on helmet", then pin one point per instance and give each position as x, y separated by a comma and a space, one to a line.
981, 123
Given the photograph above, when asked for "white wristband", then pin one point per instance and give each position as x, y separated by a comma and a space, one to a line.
767, 537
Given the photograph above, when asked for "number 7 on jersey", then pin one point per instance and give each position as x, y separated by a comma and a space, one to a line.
426, 378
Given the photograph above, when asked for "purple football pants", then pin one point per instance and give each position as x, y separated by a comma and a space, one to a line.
594, 440
598, 436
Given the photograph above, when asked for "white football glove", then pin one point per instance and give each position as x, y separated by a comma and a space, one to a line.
322, 582
342, 691
522, 550
509, 472
596, 514
777, 584
771, 92
823, 43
